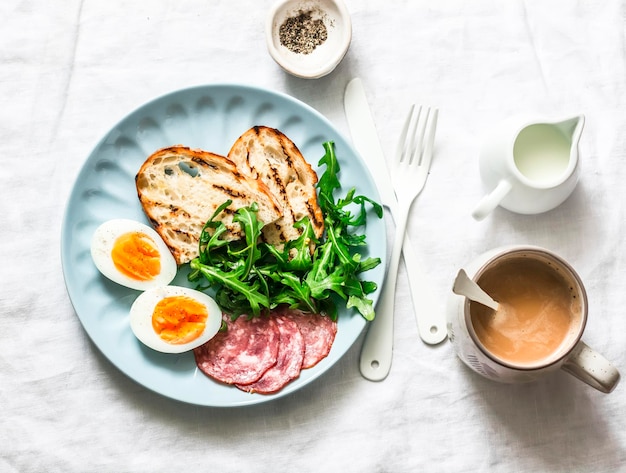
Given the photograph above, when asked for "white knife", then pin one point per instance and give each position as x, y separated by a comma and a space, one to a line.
429, 314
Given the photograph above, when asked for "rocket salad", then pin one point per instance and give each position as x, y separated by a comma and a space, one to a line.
250, 276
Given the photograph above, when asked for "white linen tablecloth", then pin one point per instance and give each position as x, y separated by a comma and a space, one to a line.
70, 70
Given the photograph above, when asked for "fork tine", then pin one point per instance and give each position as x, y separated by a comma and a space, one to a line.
402, 145
415, 144
418, 136
431, 122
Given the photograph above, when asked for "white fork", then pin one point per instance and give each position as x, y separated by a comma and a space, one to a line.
408, 173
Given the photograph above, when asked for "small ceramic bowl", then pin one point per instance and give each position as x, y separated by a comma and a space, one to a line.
322, 53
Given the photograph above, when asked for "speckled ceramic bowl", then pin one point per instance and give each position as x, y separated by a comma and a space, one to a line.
308, 38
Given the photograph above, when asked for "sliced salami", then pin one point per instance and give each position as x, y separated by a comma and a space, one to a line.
318, 332
288, 364
241, 354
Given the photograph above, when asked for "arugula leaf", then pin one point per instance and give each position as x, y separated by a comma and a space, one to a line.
246, 217
299, 251
329, 182
250, 276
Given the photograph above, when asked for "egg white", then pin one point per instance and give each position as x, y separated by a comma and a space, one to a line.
141, 318
102, 243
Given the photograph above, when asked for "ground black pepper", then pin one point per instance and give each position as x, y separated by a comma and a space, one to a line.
302, 33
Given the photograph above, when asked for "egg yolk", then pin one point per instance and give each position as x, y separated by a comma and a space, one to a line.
179, 319
136, 256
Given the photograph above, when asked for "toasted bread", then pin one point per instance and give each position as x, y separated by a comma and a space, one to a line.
180, 188
267, 154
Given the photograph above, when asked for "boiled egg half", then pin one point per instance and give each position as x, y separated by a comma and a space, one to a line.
174, 319
132, 254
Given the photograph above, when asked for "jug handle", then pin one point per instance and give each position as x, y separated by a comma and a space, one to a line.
592, 368
488, 203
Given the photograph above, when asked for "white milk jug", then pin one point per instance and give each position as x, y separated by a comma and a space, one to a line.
529, 166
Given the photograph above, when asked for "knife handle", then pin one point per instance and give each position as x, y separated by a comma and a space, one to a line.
429, 314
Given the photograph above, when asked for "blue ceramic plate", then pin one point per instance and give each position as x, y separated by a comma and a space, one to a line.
210, 117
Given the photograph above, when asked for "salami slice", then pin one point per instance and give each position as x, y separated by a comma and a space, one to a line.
288, 364
318, 332
241, 354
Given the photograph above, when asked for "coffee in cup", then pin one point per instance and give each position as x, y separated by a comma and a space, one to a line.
538, 326
539, 315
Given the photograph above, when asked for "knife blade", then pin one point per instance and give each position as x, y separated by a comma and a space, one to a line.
429, 315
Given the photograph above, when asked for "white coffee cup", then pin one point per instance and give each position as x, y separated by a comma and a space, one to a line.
571, 355
529, 166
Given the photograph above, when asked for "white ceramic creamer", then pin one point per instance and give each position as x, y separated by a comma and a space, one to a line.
572, 355
529, 166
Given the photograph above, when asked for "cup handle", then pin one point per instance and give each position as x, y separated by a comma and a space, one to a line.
491, 200
591, 368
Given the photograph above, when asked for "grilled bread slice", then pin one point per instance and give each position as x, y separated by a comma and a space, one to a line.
267, 154
180, 188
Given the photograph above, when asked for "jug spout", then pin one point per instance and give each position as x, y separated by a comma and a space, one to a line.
572, 128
